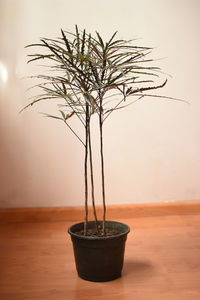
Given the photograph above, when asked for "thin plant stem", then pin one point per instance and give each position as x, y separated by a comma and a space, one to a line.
102, 166
79, 117
114, 108
78, 99
75, 133
92, 178
86, 170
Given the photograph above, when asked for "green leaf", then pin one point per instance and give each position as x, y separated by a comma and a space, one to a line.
109, 42
78, 39
70, 115
66, 42
51, 116
62, 113
83, 43
100, 40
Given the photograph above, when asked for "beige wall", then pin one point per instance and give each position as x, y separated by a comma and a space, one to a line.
152, 148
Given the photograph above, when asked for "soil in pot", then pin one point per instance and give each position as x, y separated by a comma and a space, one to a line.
93, 232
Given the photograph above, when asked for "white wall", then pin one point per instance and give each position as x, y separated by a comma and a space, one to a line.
152, 149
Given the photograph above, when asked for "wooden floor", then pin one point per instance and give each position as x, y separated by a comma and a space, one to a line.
162, 262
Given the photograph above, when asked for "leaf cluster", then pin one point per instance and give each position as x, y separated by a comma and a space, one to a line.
88, 70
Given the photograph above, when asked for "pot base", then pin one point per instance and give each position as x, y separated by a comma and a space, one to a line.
98, 279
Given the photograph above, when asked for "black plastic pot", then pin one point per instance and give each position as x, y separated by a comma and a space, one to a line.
99, 258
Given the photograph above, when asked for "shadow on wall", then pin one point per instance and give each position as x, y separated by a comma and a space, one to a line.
13, 171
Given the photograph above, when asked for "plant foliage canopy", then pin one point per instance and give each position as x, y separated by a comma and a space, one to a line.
90, 73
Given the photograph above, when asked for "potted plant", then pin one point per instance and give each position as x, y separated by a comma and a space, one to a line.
86, 74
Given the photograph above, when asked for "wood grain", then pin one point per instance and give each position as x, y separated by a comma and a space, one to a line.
47, 214
162, 261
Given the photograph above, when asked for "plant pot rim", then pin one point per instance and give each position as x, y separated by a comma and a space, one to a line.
83, 237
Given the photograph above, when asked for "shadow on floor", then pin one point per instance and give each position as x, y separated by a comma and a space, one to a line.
138, 267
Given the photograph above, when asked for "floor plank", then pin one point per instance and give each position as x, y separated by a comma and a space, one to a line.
162, 261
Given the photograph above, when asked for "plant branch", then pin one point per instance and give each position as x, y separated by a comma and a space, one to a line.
74, 133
